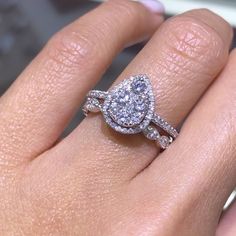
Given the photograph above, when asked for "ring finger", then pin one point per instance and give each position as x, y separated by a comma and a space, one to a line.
181, 59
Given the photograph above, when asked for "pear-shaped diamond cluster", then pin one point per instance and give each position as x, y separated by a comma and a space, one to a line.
128, 106
129, 109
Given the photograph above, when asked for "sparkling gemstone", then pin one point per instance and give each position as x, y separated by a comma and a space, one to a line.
140, 103
129, 106
139, 86
127, 109
151, 133
123, 97
164, 142
93, 105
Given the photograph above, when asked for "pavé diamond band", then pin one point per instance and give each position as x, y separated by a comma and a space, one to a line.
129, 107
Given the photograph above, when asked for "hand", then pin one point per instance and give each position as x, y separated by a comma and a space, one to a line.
99, 182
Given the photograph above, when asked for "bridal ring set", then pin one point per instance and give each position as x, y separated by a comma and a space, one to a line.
128, 108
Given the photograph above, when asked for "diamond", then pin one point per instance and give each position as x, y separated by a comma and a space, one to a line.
151, 133
124, 95
164, 142
140, 103
126, 108
139, 86
97, 94
125, 114
91, 105
165, 125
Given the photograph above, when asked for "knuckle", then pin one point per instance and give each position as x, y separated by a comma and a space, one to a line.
127, 14
127, 8
120, 11
72, 49
191, 39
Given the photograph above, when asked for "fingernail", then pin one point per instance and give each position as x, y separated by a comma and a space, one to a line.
153, 5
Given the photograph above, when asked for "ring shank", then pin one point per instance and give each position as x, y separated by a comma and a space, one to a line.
94, 103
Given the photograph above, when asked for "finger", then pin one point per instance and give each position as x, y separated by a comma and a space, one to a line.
182, 59
227, 225
198, 172
38, 106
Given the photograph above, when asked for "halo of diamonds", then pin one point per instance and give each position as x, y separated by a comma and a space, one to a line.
129, 109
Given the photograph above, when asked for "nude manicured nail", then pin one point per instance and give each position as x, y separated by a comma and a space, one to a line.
153, 5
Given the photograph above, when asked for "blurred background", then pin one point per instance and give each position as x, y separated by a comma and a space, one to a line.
26, 25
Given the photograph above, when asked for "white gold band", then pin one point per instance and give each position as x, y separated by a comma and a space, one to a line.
129, 109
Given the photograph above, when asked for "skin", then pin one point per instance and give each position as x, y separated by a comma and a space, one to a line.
98, 182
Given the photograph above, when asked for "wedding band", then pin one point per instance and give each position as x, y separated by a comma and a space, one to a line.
128, 108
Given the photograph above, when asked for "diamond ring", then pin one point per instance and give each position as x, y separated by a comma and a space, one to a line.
128, 108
